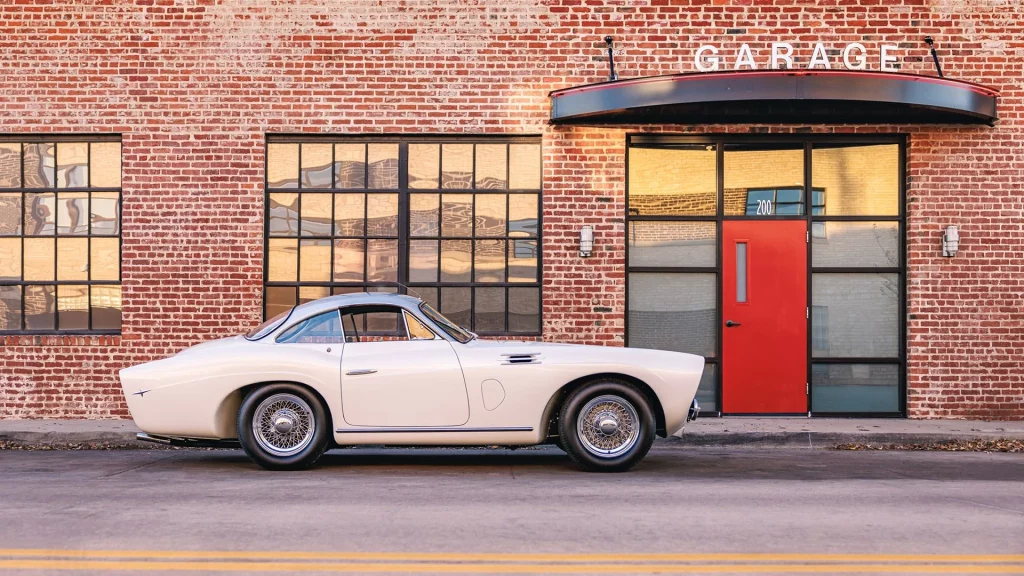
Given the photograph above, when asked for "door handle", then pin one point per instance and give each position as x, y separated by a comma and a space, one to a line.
360, 372
730, 324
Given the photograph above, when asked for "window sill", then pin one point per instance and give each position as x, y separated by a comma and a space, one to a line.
12, 340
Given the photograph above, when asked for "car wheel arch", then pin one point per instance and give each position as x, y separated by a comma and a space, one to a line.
231, 403
554, 405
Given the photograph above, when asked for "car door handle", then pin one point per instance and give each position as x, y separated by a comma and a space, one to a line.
730, 324
360, 372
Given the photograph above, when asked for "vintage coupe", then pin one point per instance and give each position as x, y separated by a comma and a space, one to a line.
378, 368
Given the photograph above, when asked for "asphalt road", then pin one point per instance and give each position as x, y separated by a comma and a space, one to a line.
526, 511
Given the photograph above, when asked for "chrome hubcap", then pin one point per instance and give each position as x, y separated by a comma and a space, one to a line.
608, 426
283, 424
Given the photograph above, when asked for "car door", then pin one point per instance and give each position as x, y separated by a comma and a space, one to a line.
396, 373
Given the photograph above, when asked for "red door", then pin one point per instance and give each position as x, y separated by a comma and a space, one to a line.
764, 311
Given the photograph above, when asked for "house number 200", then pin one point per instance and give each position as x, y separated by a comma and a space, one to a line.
764, 207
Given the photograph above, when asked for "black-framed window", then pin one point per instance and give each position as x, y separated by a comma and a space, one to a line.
60, 234
680, 189
454, 219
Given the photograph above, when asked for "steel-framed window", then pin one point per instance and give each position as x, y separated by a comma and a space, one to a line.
60, 234
453, 220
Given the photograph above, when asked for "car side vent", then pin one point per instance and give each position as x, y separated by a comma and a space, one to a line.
522, 358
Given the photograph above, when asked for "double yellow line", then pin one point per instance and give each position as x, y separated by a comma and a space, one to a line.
475, 563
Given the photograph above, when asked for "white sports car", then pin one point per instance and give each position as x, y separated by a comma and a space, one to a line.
389, 369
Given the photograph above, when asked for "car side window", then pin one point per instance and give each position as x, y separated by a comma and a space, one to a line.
382, 324
417, 331
323, 328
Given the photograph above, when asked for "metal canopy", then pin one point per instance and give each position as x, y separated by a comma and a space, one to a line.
777, 97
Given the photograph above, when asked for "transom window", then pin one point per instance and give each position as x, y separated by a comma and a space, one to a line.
60, 234
454, 219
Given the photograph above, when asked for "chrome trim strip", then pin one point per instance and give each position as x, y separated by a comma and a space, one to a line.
186, 442
431, 429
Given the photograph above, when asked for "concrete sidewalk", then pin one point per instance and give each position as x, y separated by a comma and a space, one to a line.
729, 431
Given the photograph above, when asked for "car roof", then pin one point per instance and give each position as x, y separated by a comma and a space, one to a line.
355, 299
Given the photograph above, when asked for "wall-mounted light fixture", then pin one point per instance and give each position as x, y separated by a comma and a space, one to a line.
950, 241
586, 241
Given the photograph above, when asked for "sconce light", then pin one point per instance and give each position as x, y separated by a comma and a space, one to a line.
586, 241
950, 241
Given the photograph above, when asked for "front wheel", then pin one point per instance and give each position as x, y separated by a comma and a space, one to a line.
282, 427
606, 426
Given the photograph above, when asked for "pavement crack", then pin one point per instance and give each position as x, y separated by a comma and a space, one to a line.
139, 466
1021, 512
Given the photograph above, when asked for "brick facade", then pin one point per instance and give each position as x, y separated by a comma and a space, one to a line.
194, 87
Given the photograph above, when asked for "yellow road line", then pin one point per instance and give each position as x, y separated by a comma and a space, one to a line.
504, 557
139, 566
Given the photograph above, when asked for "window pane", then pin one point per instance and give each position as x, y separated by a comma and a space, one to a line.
10, 165
673, 312
522, 214
489, 310
706, 389
678, 181
72, 259
40, 214
423, 261
524, 310
754, 168
489, 259
524, 166
348, 260
789, 202
73, 307
10, 308
314, 260
417, 331
760, 202
350, 165
10, 259
424, 167
857, 180
106, 307
382, 165
455, 261
73, 213
862, 314
282, 260
457, 166
39, 166
349, 214
316, 214
848, 244
40, 307
382, 261
106, 217
279, 299
283, 165
382, 214
423, 215
284, 214
490, 214
105, 167
855, 388
741, 272
677, 244
456, 215
10, 214
522, 261
321, 329
72, 165
39, 261
316, 165
310, 293
105, 261
490, 165
455, 305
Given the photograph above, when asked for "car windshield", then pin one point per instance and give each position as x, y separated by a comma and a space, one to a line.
453, 329
268, 326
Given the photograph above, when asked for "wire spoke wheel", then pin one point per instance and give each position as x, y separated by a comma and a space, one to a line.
608, 426
283, 424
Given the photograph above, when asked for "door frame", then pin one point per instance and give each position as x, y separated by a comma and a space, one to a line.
719, 140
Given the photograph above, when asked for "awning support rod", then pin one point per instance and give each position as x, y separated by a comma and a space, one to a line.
612, 76
935, 57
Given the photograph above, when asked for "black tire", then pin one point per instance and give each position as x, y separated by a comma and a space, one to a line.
619, 394
302, 454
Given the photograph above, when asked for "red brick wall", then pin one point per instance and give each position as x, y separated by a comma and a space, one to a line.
194, 86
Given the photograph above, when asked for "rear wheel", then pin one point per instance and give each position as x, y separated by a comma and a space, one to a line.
606, 426
282, 427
